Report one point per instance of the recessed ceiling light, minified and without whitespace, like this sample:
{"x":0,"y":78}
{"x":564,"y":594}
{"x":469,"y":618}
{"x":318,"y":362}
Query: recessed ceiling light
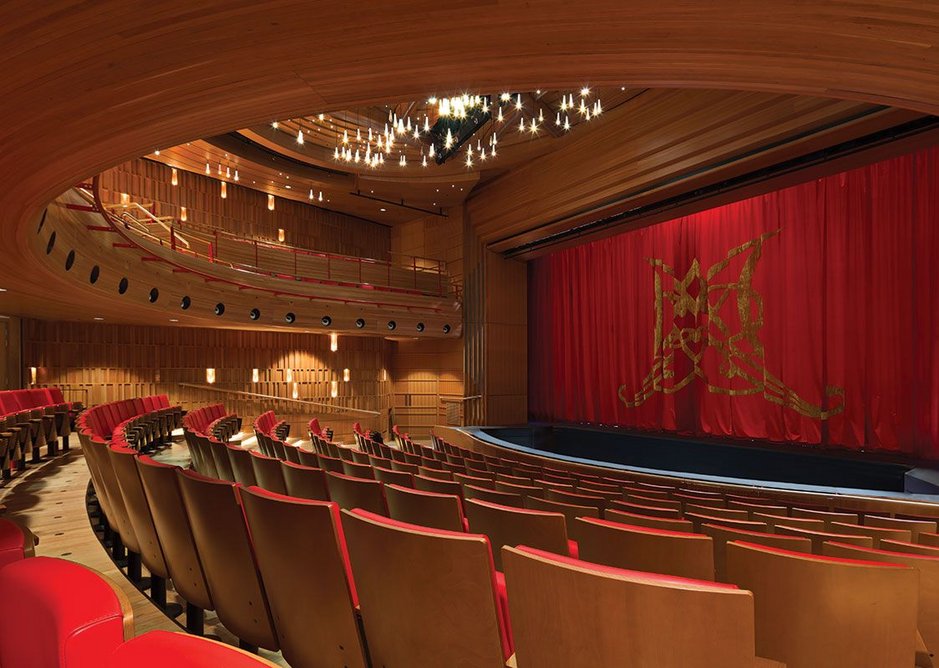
{"x":383,"y":209}
{"x":97,"y":318}
{"x":174,"y":319}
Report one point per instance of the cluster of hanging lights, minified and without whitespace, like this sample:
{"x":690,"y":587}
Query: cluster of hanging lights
{"x":409,"y":135}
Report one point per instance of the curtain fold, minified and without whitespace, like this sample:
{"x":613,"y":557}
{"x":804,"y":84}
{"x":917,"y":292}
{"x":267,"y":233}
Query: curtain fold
{"x":806,"y":315}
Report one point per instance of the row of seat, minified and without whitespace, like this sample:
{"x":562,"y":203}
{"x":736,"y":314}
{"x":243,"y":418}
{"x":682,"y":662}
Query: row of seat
{"x":30,"y":419}
{"x":118,"y":417}
{"x":214,"y":421}
{"x":268,"y":425}
{"x":603,"y":542}
{"x":59,"y":614}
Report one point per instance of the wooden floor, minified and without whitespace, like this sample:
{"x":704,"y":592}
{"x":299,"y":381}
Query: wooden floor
{"x":50,"y":499}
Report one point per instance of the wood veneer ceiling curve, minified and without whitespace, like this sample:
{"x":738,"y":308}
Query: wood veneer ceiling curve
{"x":87,"y":86}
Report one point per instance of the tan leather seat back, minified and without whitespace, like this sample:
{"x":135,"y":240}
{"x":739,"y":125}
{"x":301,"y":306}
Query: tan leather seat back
{"x":172,"y":526}
{"x":241,"y":465}
{"x":813,"y":611}
{"x":392,"y":477}
{"x":825,"y":516}
{"x":123,"y":461}
{"x":101,"y":490}
{"x":363,"y":471}
{"x":121,"y":521}
{"x":438,"y":511}
{"x":267,"y":473}
{"x":314,"y":587}
{"x":304,"y":482}
{"x":514,"y":526}
{"x":492,"y":496}
{"x":604,"y":617}
{"x":308,"y":458}
{"x":438,"y":609}
{"x":646,"y":521}
{"x":220,"y":456}
{"x":916,"y":527}
{"x":687,"y":555}
{"x":812,"y":524}
{"x":698,"y":520}
{"x":425,"y":484}
{"x":203,"y":458}
{"x":818,"y":538}
{"x":351,"y":493}
{"x":721,"y":535}
{"x":222,"y":541}
{"x":569,"y":511}
{"x":649,"y":511}
{"x":876,"y":533}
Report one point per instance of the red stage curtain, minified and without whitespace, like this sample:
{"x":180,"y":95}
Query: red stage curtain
{"x":843,"y":272}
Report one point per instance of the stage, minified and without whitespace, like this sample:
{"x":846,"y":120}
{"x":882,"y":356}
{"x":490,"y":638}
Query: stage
{"x":761,"y":464}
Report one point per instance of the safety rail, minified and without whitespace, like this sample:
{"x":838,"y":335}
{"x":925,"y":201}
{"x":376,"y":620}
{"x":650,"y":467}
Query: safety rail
{"x":91,"y":194}
{"x":270,"y":397}
{"x":404,"y":273}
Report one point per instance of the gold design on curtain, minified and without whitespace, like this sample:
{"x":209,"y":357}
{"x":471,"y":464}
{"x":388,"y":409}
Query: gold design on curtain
{"x":701,"y":324}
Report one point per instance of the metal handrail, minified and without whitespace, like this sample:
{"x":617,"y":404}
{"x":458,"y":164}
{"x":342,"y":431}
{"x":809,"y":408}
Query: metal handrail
{"x":271,"y":397}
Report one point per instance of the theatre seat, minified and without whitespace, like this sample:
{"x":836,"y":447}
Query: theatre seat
{"x":391,"y":477}
{"x":688,"y":555}
{"x":425,"y":484}
{"x":649,"y":511}
{"x":698,"y":520}
{"x":304,"y":482}
{"x":568,"y":613}
{"x":492,"y":496}
{"x":774,"y":521}
{"x":302,"y":558}
{"x":351,"y":493}
{"x":59,"y":614}
{"x":226,"y":553}
{"x":427,"y":509}
{"x":646,"y":521}
{"x":570,"y":511}
{"x":505,"y":525}
{"x":428,"y":597}
{"x":16,"y":542}
{"x":241,"y":464}
{"x":825,"y":516}
{"x":876,"y":533}
{"x":813,"y":611}
{"x":915,"y":527}
{"x":818,"y":538}
{"x":162,"y":649}
{"x":268,"y":473}
{"x":721,"y":535}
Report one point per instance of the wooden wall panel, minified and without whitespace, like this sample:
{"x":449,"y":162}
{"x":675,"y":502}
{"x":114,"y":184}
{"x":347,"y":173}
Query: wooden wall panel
{"x":96,"y":363}
{"x":244,"y":211}
{"x":428,"y":375}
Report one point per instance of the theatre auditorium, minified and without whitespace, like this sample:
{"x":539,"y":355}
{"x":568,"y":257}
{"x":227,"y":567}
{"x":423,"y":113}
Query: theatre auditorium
{"x":407,"y":334}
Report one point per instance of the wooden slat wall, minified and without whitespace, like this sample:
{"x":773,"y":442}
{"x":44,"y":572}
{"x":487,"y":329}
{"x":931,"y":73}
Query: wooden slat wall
{"x":96,"y":363}
{"x":425,"y":371}
{"x":244,"y":212}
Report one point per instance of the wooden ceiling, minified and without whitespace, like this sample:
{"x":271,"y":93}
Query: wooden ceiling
{"x":89,"y":85}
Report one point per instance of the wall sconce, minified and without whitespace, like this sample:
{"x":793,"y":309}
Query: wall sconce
{"x":210,"y":375}
{"x":280,"y":234}
{"x":125,"y":199}
{"x":289,"y":375}
{"x":270,"y":202}
{"x":384,"y":375}
{"x":296,"y":390}
{"x":345,"y":375}
{"x":174,"y":179}
{"x":32,"y":375}
{"x":182,"y":214}
{"x":224,"y":190}
{"x":334,"y":342}
{"x":255,"y":376}
{"x":334,"y":388}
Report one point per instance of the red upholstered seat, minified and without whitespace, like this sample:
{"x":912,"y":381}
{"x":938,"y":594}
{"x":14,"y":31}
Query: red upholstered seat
{"x":57,"y":613}
{"x":161,"y":649}
{"x":15,"y":542}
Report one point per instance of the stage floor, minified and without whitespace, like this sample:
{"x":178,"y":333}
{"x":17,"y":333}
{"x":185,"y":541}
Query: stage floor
{"x":787,"y":467}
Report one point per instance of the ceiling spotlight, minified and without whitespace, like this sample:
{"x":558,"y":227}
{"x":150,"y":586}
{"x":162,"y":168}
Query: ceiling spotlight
{"x":420,"y":327}
{"x":290,"y":318}
{"x":446,"y":329}
{"x":392,"y":325}
{"x":360,"y":323}
{"x":326,"y":320}
{"x":219,"y":308}
{"x":254,"y":314}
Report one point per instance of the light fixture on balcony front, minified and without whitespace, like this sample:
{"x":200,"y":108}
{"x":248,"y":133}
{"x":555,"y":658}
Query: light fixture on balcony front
{"x":345,"y":375}
{"x":210,"y":375}
{"x":182,"y":214}
{"x":289,"y":375}
{"x":255,"y":376}
{"x":334,"y":389}
{"x":280,"y":234}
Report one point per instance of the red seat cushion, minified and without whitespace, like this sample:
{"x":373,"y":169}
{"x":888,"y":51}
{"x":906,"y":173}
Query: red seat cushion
{"x":159,"y":649}
{"x":57,"y":613}
{"x":12,"y":542}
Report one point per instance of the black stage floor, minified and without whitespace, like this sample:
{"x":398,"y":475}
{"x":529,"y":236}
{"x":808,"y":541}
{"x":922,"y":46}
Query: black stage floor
{"x":789,"y":465}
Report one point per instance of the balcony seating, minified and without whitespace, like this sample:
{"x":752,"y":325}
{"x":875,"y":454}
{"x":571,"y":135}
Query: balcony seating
{"x":226,"y":553}
{"x":774,"y":521}
{"x":577,"y":499}
{"x":505,"y":525}
{"x":603,"y":616}
{"x":570,"y":512}
{"x":814,"y":611}
{"x":722,"y":535}
{"x":164,"y":498}
{"x":59,"y":614}
{"x":752,"y":508}
{"x":268,"y":473}
{"x":158,"y":649}
{"x":474,"y":480}
{"x":723,"y":513}
{"x":915,"y":527}
{"x":649,"y":511}
{"x":444,"y":594}
{"x":351,"y":493}
{"x":689,"y":555}
{"x":302,"y":558}
{"x":304,"y":482}
{"x":268,"y":425}
{"x":909,"y":548}
{"x":825,"y":516}
{"x":876,"y":533}
{"x":652,"y":502}
{"x":698,"y":520}
{"x":427,"y":509}
{"x":492,"y":496}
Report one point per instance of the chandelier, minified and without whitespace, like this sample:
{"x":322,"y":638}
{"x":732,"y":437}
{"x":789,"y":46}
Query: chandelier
{"x":467,"y":126}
